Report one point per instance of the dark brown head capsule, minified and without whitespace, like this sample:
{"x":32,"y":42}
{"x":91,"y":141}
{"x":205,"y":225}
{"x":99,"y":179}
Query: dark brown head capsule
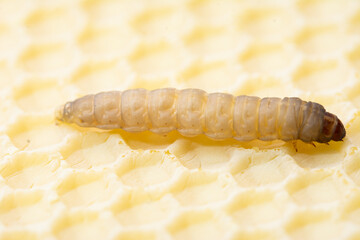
{"x":333,"y":129}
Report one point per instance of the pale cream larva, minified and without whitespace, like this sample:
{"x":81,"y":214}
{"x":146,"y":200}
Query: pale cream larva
{"x":193,"y":112}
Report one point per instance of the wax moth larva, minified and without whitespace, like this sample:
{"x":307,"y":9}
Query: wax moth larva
{"x":193,"y":112}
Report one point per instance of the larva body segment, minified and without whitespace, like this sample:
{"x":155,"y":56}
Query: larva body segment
{"x":134,"y":111}
{"x":245,"y":117}
{"x":290,"y":118}
{"x":268,"y":119}
{"x":193,"y":112}
{"x":190,"y":112}
{"x":219,"y":116}
{"x":107,"y":110}
{"x":162,"y":110}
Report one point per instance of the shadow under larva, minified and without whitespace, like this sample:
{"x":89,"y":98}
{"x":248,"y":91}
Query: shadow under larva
{"x":193,"y":112}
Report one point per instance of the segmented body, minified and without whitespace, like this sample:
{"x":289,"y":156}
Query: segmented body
{"x":193,"y":112}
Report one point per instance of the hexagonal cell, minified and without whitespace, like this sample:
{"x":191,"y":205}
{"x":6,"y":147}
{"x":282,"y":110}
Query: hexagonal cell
{"x":31,"y":96}
{"x":351,"y":209}
{"x":206,"y":76}
{"x":86,"y":188}
{"x":106,"y":43}
{"x":106,"y":12}
{"x":321,"y":76}
{"x":14,"y":11}
{"x":7,"y":75}
{"x":30,"y":169}
{"x":317,"y":11}
{"x":148,"y":140}
{"x":353,"y":95}
{"x":84,"y":226}
{"x":210,"y":11}
{"x":354,"y":56}
{"x":36,"y":132}
{"x":317,"y":187}
{"x":252,"y":168}
{"x":194,"y":155}
{"x":199,"y":225}
{"x":267,"y":59}
{"x":151,"y":83}
{"x":315,"y":225}
{"x":136,"y":235}
{"x":254,"y":208}
{"x":53,"y":24}
{"x":88,"y":77}
{"x":23,"y":208}
{"x":264,"y":87}
{"x":156,"y":59}
{"x":147,"y":168}
{"x":6,"y":146}
{"x":322,"y":40}
{"x":207,"y":41}
{"x":94,"y":150}
{"x":9,"y":35}
{"x":355,"y":22}
{"x":257,"y":235}
{"x":86,"y":140}
{"x":161,"y":22}
{"x":18,"y":235}
{"x":321,"y":156}
{"x":50,"y":60}
{"x":353,"y":130}
{"x":201,"y":188}
{"x":129,"y":209}
{"x":268,"y":23}
{"x":351,"y":165}
{"x":354,"y":236}
{"x":55,"y":4}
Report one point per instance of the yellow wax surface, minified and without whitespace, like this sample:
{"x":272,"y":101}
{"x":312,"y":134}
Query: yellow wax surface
{"x":59,"y":181}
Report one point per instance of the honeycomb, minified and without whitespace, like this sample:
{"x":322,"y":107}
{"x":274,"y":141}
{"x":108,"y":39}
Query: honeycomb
{"x":60,"y":181}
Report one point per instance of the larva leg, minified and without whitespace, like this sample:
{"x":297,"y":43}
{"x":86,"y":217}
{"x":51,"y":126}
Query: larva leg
{"x":294,"y":145}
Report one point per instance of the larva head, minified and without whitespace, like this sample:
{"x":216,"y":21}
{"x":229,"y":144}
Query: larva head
{"x":333,"y":129}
